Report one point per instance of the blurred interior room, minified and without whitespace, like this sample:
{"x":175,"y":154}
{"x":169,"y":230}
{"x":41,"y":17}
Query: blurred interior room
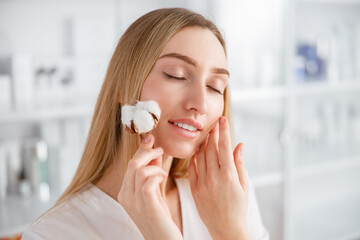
{"x":295,"y":89}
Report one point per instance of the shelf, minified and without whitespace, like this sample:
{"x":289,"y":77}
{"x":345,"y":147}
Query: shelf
{"x":298,"y":90}
{"x":46,"y":114}
{"x":342,"y":2}
{"x":320,"y":188}
{"x":17,"y":213}
{"x":267,"y":180}
{"x":258,"y":94}
{"x":330,"y":152}
{"x":13,"y":231}
{"x":337,"y":165}
{"x":323,"y":168}
{"x":325,"y":199}
{"x":325,"y":215}
{"x":316,"y":88}
{"x":353,"y":235}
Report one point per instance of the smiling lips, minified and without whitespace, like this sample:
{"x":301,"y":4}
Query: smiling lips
{"x":186,"y":127}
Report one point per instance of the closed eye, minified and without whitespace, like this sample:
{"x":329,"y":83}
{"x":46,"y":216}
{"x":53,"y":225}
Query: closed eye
{"x":182,"y":78}
{"x":173,"y":77}
{"x":214,"y":89}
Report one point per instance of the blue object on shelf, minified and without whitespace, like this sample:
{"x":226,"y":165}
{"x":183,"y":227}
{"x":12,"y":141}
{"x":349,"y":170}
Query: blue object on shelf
{"x":310,"y":67}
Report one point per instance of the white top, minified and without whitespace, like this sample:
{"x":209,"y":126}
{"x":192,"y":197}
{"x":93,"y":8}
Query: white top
{"x":92,"y":214}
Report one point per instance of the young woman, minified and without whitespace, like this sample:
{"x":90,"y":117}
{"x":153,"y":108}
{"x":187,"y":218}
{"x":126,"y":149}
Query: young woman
{"x":181,"y":181}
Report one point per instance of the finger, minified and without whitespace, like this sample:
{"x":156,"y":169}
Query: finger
{"x":225,"y":152}
{"x":156,"y":162}
{"x":192,"y":172}
{"x":147,"y":142}
{"x":132,"y":164}
{"x":201,"y":162}
{"x":144,"y":156}
{"x":135,"y":164}
{"x":146,"y":145}
{"x":144,"y":173}
{"x":151,"y":188}
{"x":212,"y":156}
{"x":140,"y":161}
{"x":240,"y":167}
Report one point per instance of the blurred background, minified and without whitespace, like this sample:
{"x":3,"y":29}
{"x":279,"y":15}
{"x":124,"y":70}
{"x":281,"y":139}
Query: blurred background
{"x":295,"y":86}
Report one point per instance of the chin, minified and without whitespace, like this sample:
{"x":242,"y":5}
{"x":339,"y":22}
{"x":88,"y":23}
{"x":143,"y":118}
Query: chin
{"x":174,"y":147}
{"x":179,"y":151}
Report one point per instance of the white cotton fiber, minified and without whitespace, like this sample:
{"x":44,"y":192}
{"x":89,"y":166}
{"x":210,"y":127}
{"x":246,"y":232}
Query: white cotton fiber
{"x":143,"y":120}
{"x":127,"y":114}
{"x":140,"y":105}
{"x":141,"y":116}
{"x":153,"y":107}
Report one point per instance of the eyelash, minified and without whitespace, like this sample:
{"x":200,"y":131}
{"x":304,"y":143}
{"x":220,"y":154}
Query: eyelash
{"x":182,"y":78}
{"x":170,"y":76}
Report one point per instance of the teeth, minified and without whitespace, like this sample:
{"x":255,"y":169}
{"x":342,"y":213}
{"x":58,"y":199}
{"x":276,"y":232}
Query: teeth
{"x":185,"y":126}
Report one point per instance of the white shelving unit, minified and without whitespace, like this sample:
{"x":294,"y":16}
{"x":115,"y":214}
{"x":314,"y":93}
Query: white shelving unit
{"x":306,"y":89}
{"x":18,"y":212}
{"x":315,"y":187}
{"x":46,"y":114}
{"x":56,"y":55}
{"x":319,"y":192}
{"x":340,"y":2}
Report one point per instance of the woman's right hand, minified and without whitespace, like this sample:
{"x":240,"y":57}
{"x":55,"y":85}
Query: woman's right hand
{"x":140,"y":193}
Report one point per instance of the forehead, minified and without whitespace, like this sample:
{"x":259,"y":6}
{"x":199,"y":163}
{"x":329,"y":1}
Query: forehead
{"x":198,"y":43}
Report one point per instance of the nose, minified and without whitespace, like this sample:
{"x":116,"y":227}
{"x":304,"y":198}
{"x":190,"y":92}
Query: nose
{"x":196,"y":99}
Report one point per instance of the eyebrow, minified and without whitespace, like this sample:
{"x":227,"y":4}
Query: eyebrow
{"x":192,"y":62}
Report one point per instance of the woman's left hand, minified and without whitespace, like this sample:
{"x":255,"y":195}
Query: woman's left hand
{"x":219,"y":185}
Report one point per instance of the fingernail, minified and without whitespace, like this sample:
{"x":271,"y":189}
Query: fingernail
{"x":147,"y":139}
{"x":222,"y":120}
{"x":159,"y":149}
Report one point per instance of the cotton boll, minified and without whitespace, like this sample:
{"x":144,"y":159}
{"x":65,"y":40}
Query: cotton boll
{"x":140,"y":105}
{"x":153,"y":107}
{"x":144,"y":115}
{"x":143,"y":120}
{"x":127,"y":114}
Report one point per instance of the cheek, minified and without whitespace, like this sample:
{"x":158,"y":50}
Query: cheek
{"x":166,"y":101}
{"x":148,"y":90}
{"x":215,"y":111}
{"x":154,"y":90}
{"x":212,"y":118}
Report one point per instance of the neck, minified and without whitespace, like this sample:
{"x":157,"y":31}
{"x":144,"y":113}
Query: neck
{"x":111,"y":181}
{"x":168,"y":182}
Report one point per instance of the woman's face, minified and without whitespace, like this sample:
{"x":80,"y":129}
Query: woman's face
{"x":188,"y":82}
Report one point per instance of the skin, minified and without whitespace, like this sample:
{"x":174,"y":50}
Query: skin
{"x":216,"y":173}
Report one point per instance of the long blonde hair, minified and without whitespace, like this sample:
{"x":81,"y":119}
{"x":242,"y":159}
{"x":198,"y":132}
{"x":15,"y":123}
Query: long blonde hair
{"x":133,"y":59}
